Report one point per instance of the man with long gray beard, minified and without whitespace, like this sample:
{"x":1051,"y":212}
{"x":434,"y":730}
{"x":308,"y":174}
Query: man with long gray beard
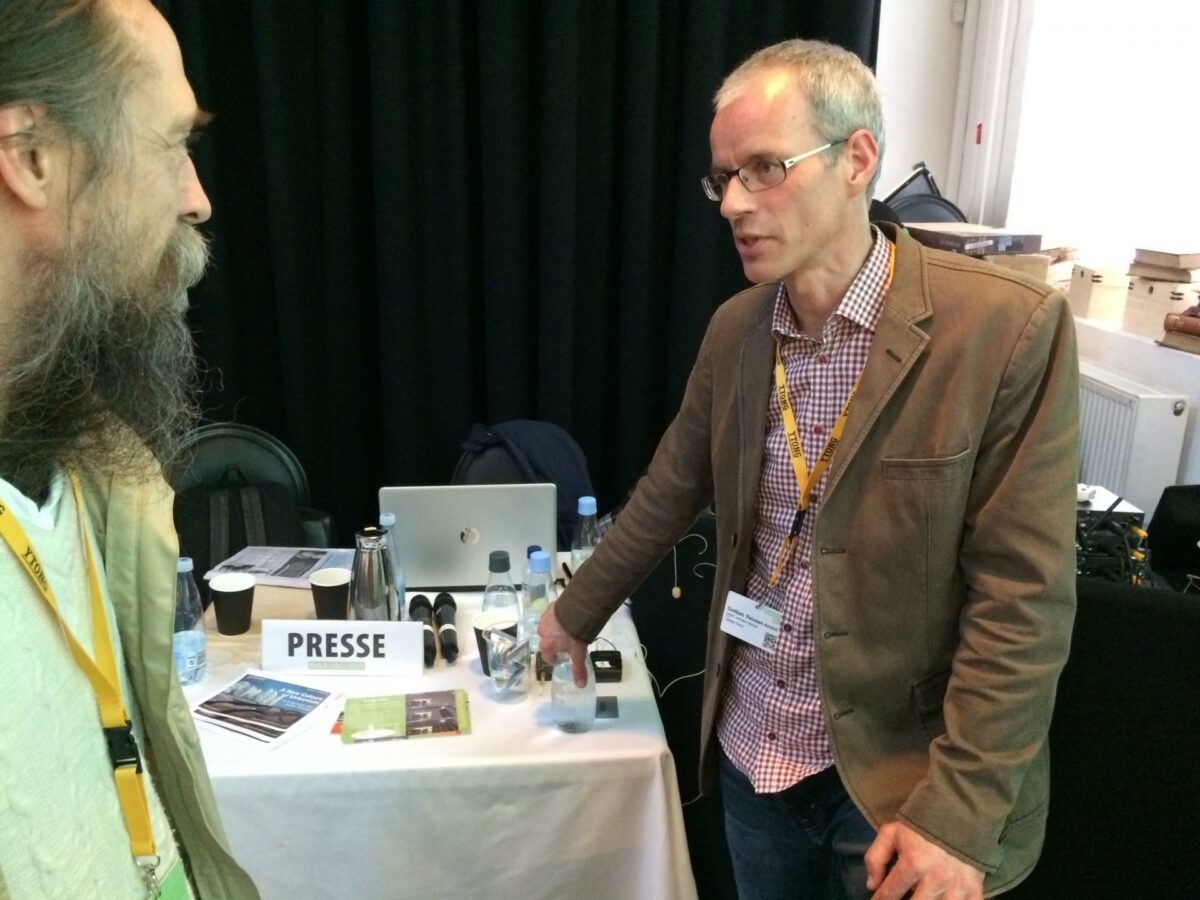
{"x":102,"y":784}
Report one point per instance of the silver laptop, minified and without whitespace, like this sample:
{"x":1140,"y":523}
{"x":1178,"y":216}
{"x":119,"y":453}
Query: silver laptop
{"x":446,"y":532}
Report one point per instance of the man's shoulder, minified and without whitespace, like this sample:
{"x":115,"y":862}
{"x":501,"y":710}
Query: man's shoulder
{"x":955,"y":277}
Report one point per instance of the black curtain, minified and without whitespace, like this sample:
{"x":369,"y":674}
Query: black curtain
{"x":428,"y":214}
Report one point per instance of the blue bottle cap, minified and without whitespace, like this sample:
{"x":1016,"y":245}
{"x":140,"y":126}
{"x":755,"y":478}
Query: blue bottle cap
{"x":387,"y":520}
{"x":587,"y":506}
{"x":539,"y":561}
{"x":184,"y":564}
{"x":532,"y":549}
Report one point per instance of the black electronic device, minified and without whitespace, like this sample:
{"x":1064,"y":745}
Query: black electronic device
{"x":607,"y":664}
{"x":1109,"y":537}
{"x":421,"y":610}
{"x":444,"y":610}
{"x":607,"y":707}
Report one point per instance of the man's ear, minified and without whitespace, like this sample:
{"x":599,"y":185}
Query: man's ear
{"x":863,"y":154}
{"x":26,"y":166}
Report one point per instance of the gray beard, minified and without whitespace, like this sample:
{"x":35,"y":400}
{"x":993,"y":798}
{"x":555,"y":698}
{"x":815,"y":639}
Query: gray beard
{"x":101,"y":372}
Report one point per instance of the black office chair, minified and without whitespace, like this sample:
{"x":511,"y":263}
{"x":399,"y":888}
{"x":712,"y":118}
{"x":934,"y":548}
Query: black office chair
{"x":229,"y":455}
{"x":528,"y":451}
{"x":918,"y":199}
{"x":1174,"y":537}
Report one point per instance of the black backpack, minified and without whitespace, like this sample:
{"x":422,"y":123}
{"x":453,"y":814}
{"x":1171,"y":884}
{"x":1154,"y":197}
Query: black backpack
{"x":527,"y":451}
{"x":215,"y":522}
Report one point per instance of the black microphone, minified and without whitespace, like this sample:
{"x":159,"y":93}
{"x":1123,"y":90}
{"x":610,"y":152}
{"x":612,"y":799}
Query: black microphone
{"x":444,"y":609}
{"x":419,"y":610}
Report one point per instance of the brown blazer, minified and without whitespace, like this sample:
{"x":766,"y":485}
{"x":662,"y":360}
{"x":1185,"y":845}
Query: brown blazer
{"x":943,"y":550}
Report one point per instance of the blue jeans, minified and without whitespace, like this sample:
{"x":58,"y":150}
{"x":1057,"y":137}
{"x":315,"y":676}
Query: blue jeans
{"x":804,"y":842}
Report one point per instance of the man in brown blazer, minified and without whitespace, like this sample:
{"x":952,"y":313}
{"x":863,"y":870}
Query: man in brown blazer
{"x":888,"y":434}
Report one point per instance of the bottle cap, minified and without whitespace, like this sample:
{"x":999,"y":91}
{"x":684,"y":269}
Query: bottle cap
{"x":184,"y":564}
{"x":387,"y":520}
{"x":539,"y":561}
{"x":498,"y":561}
{"x":532,"y":549}
{"x":587,"y":506}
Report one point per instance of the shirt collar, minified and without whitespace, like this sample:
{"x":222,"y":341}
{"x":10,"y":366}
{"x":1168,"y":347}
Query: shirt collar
{"x":862,"y":304}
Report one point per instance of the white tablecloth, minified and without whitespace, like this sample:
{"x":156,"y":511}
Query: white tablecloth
{"x":514,"y":809}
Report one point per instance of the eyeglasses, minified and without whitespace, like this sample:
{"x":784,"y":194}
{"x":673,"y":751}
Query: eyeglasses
{"x":758,"y":174}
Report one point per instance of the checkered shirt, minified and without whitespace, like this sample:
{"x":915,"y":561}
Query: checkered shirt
{"x":771,"y":723}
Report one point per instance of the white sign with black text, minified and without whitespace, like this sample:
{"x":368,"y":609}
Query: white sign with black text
{"x":329,"y":647}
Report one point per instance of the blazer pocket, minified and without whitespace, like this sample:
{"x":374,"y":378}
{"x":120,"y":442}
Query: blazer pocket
{"x":936,"y":468}
{"x":928,"y":696}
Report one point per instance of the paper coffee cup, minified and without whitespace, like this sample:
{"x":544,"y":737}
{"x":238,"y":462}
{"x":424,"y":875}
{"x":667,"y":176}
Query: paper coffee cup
{"x":233,"y":596}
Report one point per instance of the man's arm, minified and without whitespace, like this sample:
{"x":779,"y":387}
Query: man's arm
{"x":1017,"y":557}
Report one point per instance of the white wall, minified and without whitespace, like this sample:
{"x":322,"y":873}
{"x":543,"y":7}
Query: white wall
{"x":917,"y":71}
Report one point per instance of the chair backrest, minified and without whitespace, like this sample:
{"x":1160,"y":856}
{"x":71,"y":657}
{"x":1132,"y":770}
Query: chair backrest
{"x":259,"y":457}
{"x":240,"y":486}
{"x":528,"y":451}
{"x":1174,"y":534}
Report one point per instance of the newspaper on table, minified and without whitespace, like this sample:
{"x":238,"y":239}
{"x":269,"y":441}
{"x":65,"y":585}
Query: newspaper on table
{"x":262,"y":708}
{"x":283,"y":566}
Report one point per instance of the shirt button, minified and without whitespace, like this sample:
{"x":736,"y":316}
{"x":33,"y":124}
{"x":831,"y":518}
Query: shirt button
{"x":787,"y":627}
{"x":822,"y":359}
{"x":817,"y":429}
{"x":780,"y":684}
{"x":771,"y":736}
{"x":804,"y":563}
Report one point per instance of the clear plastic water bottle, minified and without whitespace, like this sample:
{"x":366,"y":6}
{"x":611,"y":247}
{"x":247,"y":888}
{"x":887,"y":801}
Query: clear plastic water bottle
{"x":586,"y":533}
{"x":539,"y":590}
{"x":190,"y":644}
{"x":529,"y":551}
{"x":387,"y":522}
{"x":500,"y":592}
{"x":574,"y":707}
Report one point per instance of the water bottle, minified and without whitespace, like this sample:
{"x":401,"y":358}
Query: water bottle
{"x":529,"y":551}
{"x":500,"y":592}
{"x":371,"y":577}
{"x":387,"y":521}
{"x":574,"y":707}
{"x":586,"y":535}
{"x":189,"y":646}
{"x":539,"y":590}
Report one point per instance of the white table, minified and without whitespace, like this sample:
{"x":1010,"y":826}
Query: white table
{"x":514,"y":809}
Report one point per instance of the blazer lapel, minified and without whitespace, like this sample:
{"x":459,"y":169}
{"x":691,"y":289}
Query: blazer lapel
{"x":754,"y":378}
{"x":896,"y":346}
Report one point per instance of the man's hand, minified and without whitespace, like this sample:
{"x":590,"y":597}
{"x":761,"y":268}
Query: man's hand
{"x":555,"y":640}
{"x":921,"y":866}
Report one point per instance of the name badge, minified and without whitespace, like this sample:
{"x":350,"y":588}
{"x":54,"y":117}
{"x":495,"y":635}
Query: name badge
{"x":329,"y":647}
{"x":745,"y":620}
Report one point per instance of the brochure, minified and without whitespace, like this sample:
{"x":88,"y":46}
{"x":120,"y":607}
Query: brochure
{"x":262,"y":708}
{"x":427,"y":714}
{"x":283,"y":566}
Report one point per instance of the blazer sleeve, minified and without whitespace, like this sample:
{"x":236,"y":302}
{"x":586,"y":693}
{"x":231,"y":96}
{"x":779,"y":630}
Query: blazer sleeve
{"x":676,"y":488}
{"x":1018,"y":561}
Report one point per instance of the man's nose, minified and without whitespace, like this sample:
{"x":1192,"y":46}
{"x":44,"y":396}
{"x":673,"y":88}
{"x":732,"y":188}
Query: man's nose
{"x":194,"y":207}
{"x":737,"y":201}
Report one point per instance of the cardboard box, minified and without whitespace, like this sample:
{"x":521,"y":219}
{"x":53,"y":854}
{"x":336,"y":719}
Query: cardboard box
{"x":1148,"y":301}
{"x":1098,"y":293}
{"x":973,"y":240}
{"x":1033,"y":265}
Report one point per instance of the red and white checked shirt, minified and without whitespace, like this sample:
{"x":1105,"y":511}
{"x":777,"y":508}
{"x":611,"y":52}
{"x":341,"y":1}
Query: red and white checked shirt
{"x":771,"y":723}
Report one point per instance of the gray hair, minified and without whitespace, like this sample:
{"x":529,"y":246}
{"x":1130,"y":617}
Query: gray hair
{"x":840,"y":90}
{"x":75,"y":59}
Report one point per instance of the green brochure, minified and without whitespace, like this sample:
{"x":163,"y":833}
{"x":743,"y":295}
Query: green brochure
{"x":428,"y":714}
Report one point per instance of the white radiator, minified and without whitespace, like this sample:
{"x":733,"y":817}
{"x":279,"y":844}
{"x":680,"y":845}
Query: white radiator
{"x":1130,"y":436}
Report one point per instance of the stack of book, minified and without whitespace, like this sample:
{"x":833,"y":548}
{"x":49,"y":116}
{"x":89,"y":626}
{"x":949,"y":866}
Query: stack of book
{"x":1182,"y":330}
{"x":1162,"y":283}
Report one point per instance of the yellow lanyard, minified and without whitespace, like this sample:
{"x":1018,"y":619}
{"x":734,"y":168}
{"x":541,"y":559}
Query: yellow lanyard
{"x":102,"y":674}
{"x":806,"y":480}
